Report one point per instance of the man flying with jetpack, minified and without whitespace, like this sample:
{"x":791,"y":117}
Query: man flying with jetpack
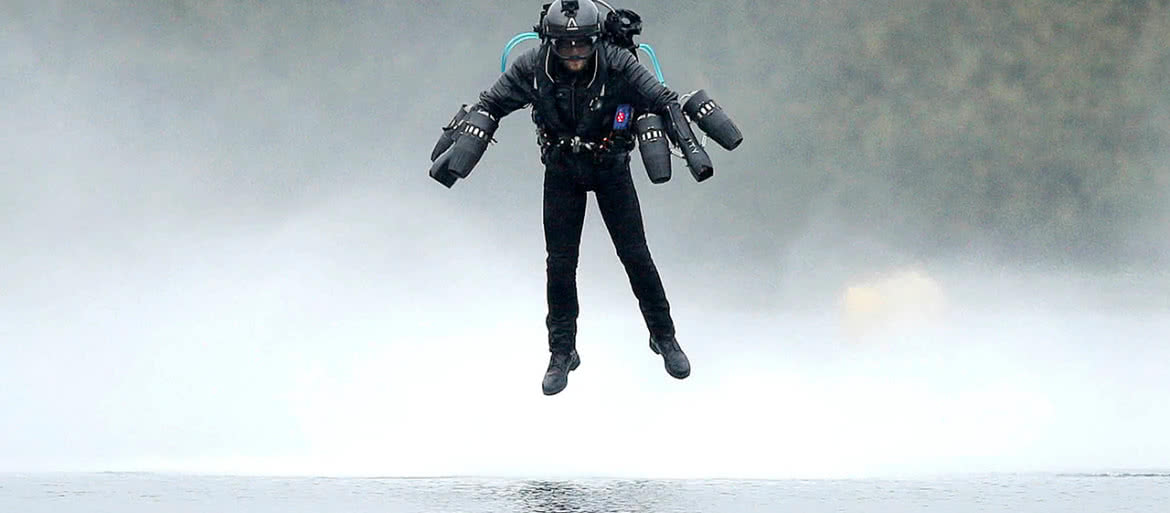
{"x":592,"y":103}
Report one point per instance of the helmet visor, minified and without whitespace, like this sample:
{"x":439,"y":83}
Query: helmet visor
{"x":576,"y":48}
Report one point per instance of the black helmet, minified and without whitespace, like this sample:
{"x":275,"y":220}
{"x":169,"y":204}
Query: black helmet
{"x":572,"y":28}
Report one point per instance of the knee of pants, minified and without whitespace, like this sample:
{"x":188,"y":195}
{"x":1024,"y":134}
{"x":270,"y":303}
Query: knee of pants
{"x":564,"y":260}
{"x":634,"y":254}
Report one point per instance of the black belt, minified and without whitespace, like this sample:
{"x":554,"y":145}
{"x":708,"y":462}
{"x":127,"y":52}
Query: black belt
{"x":576,"y":144}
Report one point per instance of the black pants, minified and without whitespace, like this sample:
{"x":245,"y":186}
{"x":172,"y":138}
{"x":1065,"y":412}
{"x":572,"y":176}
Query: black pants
{"x":566,"y":182}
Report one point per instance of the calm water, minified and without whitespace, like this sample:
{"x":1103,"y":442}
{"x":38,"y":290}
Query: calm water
{"x":129,"y":493}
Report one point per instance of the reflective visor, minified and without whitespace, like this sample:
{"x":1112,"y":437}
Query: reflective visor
{"x":575,"y":48}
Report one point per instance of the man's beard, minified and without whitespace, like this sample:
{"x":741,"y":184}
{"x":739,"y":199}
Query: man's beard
{"x":575,"y":66}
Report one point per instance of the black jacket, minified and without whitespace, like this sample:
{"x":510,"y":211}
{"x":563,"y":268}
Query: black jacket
{"x":563,"y":108}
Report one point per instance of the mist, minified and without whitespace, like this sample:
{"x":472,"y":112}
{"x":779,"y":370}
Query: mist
{"x":942,"y":247}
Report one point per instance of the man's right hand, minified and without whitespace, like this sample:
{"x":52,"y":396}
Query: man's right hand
{"x":469,"y":140}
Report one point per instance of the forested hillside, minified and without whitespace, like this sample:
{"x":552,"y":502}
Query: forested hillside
{"x":1036,"y":126}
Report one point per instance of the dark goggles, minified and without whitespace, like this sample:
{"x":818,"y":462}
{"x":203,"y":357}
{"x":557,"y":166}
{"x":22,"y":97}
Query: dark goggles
{"x":576,"y":48}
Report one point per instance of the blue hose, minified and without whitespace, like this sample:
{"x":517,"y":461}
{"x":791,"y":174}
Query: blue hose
{"x":512,"y":44}
{"x":654,"y":59}
{"x":525,"y":36}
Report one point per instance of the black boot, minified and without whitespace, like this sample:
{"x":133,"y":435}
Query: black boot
{"x":673,"y":357}
{"x":557,"y":375}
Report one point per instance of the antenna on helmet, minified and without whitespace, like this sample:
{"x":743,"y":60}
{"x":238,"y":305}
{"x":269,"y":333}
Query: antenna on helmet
{"x":605,"y":4}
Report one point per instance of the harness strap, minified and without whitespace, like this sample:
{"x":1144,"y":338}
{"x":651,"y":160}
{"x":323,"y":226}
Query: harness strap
{"x":576,"y":144}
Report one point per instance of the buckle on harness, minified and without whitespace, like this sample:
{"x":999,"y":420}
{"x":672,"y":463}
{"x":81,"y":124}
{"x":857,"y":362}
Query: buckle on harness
{"x":573,"y":144}
{"x":577,"y":145}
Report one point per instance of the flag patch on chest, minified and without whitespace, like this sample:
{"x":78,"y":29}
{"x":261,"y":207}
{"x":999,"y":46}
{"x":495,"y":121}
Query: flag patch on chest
{"x":621,"y":119}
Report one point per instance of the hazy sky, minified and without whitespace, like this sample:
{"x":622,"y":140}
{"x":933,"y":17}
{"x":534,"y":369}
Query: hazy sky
{"x":220,"y":252}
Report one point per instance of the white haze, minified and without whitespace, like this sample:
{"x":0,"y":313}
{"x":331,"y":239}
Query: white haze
{"x":251,"y":279}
